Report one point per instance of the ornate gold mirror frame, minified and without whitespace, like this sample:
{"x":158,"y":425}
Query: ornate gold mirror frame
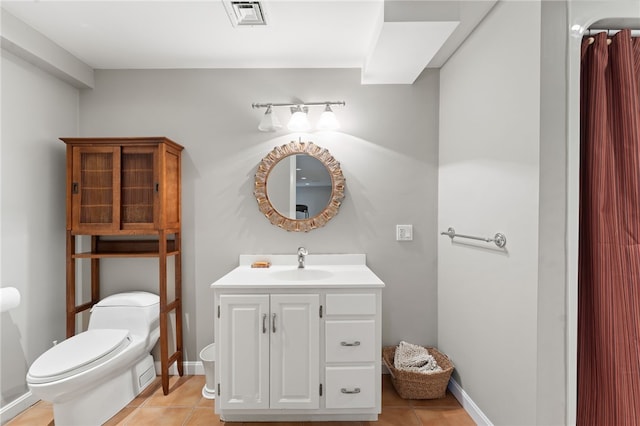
{"x":284,"y":151}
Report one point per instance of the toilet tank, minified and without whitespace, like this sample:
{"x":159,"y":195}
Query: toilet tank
{"x":136,"y":311}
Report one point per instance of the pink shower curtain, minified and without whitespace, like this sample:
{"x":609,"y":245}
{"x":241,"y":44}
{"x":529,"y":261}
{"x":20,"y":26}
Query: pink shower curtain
{"x":609,"y":259}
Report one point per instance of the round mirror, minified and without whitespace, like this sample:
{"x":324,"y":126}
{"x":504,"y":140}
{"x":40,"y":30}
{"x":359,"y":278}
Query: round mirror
{"x":299,"y":186}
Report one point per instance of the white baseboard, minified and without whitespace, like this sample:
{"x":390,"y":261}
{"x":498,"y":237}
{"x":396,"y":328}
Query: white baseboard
{"x":467,"y":403}
{"x":17,"y":406}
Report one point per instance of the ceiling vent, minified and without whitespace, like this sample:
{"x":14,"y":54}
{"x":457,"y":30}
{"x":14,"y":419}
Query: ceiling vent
{"x":245,"y":13}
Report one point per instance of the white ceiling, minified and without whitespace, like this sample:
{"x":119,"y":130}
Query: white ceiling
{"x":199,"y":34}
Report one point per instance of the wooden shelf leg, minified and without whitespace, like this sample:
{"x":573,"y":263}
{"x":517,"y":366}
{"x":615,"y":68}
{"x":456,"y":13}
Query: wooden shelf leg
{"x":71,"y":284}
{"x":178,"y":287}
{"x":95,"y":273}
{"x":164,"y":344}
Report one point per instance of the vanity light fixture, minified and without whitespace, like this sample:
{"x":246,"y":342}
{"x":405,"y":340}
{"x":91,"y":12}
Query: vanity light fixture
{"x":269,"y":122}
{"x":299,"y":121}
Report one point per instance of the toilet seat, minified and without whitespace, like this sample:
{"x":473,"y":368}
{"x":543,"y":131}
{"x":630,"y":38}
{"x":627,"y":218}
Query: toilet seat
{"x":78,"y":353}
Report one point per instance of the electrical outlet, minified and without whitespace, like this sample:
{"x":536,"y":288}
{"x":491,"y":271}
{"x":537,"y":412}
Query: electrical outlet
{"x":404,"y":232}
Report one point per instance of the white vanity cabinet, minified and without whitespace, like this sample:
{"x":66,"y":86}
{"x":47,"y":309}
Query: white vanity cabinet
{"x":270,"y":352}
{"x":298,"y":345}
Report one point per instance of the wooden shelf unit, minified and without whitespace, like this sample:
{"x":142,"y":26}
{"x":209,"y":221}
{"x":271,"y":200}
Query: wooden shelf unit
{"x":119,"y":188}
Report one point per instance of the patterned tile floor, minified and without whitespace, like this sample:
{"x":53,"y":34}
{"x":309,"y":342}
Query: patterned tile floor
{"x":185,"y":406}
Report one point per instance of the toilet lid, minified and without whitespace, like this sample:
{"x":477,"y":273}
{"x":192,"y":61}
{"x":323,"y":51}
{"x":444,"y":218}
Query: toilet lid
{"x":78,"y":353}
{"x":131,"y":298}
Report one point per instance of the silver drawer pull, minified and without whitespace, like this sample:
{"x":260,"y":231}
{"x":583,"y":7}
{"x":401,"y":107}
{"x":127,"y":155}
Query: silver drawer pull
{"x":264,"y":323}
{"x":356,"y":343}
{"x":345,"y":390}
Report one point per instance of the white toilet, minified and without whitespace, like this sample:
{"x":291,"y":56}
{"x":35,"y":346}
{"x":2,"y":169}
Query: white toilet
{"x":93,"y":375}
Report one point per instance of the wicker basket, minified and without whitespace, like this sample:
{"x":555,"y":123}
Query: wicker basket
{"x":411,"y":385}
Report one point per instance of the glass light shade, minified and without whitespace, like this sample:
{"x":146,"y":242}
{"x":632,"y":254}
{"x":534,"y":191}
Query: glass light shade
{"x":328,"y":120}
{"x":299,"y":121}
{"x":269,"y":122}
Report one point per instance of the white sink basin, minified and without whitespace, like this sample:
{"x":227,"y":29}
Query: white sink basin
{"x":298,"y":274}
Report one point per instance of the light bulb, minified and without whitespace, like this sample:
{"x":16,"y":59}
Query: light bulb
{"x":269,"y":122}
{"x":328,"y":120}
{"x":299,"y":121}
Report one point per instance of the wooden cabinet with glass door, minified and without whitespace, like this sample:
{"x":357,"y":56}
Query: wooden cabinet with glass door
{"x":125,"y":193}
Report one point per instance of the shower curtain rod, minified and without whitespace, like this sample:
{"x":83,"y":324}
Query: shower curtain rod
{"x":593,"y":31}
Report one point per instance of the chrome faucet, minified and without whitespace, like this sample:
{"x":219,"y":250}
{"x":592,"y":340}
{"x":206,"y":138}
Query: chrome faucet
{"x":302,"y":252}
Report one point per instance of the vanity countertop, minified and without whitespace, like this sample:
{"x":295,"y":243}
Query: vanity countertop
{"x":324,"y":271}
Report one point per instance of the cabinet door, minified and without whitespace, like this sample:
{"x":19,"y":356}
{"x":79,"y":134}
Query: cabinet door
{"x":244,"y":329}
{"x":171,"y":215}
{"x":95,"y":190}
{"x":295,"y":339}
{"x":139,"y":188}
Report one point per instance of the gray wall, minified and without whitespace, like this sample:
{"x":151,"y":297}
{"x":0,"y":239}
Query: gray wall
{"x":388,"y":153}
{"x":488,"y":183}
{"x":552,"y":368}
{"x":36,"y":109}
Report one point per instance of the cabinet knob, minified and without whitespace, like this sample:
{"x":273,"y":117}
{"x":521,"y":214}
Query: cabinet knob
{"x":356,"y":343}
{"x":74,"y":187}
{"x":345,"y":390}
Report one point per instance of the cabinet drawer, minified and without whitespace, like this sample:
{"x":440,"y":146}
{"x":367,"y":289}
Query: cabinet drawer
{"x":351,"y":304}
{"x":349,"y":341}
{"x":350,"y":387}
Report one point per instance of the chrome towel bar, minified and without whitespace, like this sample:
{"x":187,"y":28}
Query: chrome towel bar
{"x":499,"y":239}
